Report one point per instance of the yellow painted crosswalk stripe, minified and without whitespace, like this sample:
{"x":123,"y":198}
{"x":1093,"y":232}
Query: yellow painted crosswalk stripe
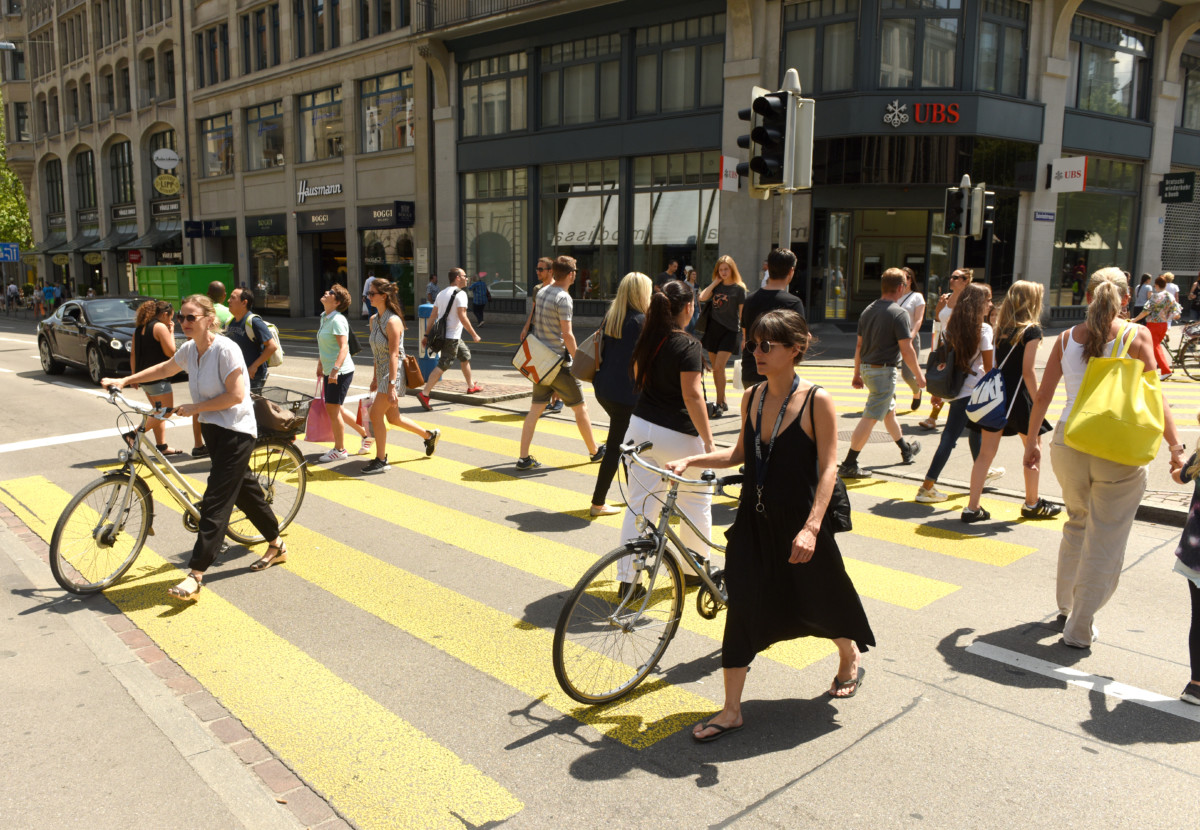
{"x":290,"y":700}
{"x":546,"y":426}
{"x":1001,"y":510}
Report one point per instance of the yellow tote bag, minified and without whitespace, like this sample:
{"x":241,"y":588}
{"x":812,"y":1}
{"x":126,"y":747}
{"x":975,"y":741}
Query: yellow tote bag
{"x":1118,"y":413}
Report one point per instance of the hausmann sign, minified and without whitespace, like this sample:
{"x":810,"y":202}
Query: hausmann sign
{"x":316,"y":190}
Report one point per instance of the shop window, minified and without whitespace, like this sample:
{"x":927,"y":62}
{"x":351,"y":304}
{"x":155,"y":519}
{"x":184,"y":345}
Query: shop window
{"x":168,"y":71}
{"x":54,"y":186}
{"x":580,"y":211}
{"x":495,"y":223}
{"x":833,"y":24}
{"x":21,"y":129}
{"x":1189,"y":108}
{"x":377,"y":17}
{"x":163,"y":140}
{"x":676,"y":211}
{"x":1111,"y":68}
{"x":581,"y":81}
{"x":269,"y":269}
{"x":494,"y":95}
{"x":85,"y":179}
{"x":260,"y":38}
{"x":216,"y":142}
{"x":264,"y":136}
{"x":321,"y":127}
{"x":386,"y":103}
{"x":120,"y":167}
{"x":918,"y":44}
{"x":388,"y":253}
{"x":679,"y":66}
{"x":1002,"y":47}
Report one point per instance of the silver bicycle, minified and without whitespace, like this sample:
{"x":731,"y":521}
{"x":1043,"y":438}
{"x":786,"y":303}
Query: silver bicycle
{"x":612,"y":632}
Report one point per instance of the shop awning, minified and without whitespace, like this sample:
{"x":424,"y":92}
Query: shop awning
{"x":76,"y":244}
{"x":156,"y":238}
{"x":112,"y":242}
{"x":52,"y":241}
{"x":581,"y":222}
{"x":680,"y":218}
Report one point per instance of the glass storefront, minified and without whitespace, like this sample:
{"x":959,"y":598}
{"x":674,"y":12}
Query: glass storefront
{"x":676,"y":213}
{"x":388,"y":253}
{"x":269,"y":274}
{"x":495,"y":230}
{"x":580,"y":218}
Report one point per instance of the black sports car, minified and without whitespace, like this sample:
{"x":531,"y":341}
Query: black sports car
{"x":95,"y":335}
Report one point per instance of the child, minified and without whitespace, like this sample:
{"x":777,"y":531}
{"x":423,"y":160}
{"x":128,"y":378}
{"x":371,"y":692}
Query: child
{"x":1187,"y":562}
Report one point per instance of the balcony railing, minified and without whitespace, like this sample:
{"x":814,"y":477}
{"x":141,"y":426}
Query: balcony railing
{"x":439,"y":14}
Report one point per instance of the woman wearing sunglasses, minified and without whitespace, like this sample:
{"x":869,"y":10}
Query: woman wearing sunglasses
{"x":783,"y":569}
{"x":220,"y":400}
{"x":959,"y":280}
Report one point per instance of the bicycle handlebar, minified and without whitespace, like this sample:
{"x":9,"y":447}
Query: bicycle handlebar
{"x":707,"y":478}
{"x":115,"y":397}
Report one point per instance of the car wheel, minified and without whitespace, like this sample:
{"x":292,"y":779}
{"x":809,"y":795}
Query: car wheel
{"x":49,"y":365}
{"x":95,"y":365}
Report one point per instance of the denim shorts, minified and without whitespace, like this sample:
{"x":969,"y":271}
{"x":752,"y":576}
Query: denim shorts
{"x":881,"y":391}
{"x":156,"y":388}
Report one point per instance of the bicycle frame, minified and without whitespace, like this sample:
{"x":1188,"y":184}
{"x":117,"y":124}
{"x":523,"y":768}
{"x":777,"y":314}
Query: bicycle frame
{"x":147,"y":454}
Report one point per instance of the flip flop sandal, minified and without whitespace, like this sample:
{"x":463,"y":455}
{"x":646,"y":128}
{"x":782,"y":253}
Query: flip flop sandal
{"x":721,"y":732}
{"x":268,"y":559}
{"x":168,"y":451}
{"x":187,"y":590}
{"x":840,"y":684}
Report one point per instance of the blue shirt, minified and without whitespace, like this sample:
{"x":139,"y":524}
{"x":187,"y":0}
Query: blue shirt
{"x":251,"y":349}
{"x":614,"y":378}
{"x":479,"y":293}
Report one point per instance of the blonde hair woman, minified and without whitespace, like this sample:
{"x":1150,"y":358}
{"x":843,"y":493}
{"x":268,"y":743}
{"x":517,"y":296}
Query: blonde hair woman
{"x":613,"y":383}
{"x":1018,"y":335}
{"x":728,"y":294}
{"x":1102,"y":496}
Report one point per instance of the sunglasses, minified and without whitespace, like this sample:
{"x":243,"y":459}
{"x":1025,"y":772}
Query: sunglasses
{"x":189,"y":318}
{"x":763,"y":346}
{"x":542,"y":269}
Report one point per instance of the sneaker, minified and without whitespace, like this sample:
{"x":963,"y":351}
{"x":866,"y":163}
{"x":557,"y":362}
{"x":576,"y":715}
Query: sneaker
{"x":599,"y":453}
{"x":714,"y":410}
{"x":556,"y":406}
{"x":431,"y":441}
{"x":931,"y":495}
{"x":911,"y":450}
{"x":1191,"y":694}
{"x":528,"y":463}
{"x":424,"y":399}
{"x":200,"y":452}
{"x":333,"y":455}
{"x":472,"y":390}
{"x":993,"y":473}
{"x":724,"y":406}
{"x":1041,"y":510}
{"x":368,"y":444}
{"x":972,"y":516}
{"x":848,"y":470}
{"x":376,"y":465}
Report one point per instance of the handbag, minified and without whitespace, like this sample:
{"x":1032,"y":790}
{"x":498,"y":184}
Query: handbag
{"x":990,"y":405}
{"x":942,"y":375}
{"x":534,"y":359}
{"x":319,"y":430}
{"x":702,"y":321}
{"x":435,"y":338}
{"x":1118,"y":411}
{"x":837,"y":513}
{"x":362,"y":416}
{"x":353,"y":347}
{"x":413,"y":378}
{"x":588,"y":357}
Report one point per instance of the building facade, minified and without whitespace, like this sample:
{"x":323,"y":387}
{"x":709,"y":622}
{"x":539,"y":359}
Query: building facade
{"x":325,"y":141}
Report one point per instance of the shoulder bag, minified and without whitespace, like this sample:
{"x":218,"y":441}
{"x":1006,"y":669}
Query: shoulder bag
{"x":990,"y":403}
{"x":942,"y":375}
{"x":276,"y":358}
{"x":435,"y":338}
{"x":536,"y":360}
{"x":1118,"y":411}
{"x":588,"y":356}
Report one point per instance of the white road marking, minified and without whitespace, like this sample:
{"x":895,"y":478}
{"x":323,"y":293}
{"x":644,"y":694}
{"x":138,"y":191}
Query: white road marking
{"x":312,"y":380}
{"x":1091,"y":682}
{"x":56,"y":440}
{"x":10,"y":371}
{"x":14,"y":340}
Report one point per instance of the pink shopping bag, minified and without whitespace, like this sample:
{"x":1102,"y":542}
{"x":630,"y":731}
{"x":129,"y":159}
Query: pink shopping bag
{"x":319,"y":429}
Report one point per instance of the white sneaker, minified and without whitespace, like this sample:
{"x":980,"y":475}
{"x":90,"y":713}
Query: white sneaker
{"x":930,"y":496}
{"x":333,"y":455}
{"x":368,"y":446}
{"x":993,"y":473}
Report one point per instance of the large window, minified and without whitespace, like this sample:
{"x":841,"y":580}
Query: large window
{"x":260,"y":38}
{"x":120,"y":168}
{"x":168,"y":72}
{"x":317,"y":26}
{"x":494,"y":95}
{"x":1111,"y":66}
{"x":495,"y":223}
{"x":377,"y":17}
{"x":676,"y":211}
{"x":85,"y":179}
{"x":679,"y":66}
{"x":1189,"y":109}
{"x":581,"y":81}
{"x":216,"y":142}
{"x":54,"y":186}
{"x":819,"y":43}
{"x":164,"y":140}
{"x":264,"y":136}
{"x":1002,"y":36}
{"x":387,"y":111}
{"x":918,"y":44}
{"x":212,"y":55}
{"x":321,"y":127}
{"x":581,"y":208}
{"x":20,"y":130}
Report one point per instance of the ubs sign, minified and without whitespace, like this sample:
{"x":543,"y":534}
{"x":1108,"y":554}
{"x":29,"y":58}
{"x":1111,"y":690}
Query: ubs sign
{"x":923,"y":112}
{"x":316,"y":190}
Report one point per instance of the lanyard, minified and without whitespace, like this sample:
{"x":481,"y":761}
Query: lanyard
{"x":760,"y":468}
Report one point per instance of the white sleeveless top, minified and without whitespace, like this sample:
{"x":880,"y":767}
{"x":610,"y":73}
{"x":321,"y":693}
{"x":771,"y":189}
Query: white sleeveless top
{"x":1074,"y":364}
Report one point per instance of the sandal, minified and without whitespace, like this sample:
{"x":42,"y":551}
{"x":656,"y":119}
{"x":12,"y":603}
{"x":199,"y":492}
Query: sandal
{"x":187,"y":590}
{"x":268,"y":559}
{"x":838,"y":685}
{"x":168,"y":451}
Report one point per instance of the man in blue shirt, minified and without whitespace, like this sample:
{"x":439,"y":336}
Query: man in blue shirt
{"x":257,"y":347}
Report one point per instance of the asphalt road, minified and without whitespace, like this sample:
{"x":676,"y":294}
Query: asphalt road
{"x":398,"y":665}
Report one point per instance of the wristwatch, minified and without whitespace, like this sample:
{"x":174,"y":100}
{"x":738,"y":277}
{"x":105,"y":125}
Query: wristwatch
{"x":1177,"y":447}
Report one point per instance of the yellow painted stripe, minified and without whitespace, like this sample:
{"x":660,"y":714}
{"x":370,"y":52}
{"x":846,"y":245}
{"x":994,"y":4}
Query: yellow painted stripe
{"x":293,"y":703}
{"x":546,"y":426}
{"x":1001,"y":510}
{"x":561,"y":459}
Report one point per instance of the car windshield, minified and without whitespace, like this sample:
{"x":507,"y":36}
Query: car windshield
{"x":112,"y":312}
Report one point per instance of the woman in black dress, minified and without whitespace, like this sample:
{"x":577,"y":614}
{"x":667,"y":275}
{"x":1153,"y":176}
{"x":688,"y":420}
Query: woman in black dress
{"x":1017,"y":334}
{"x":783,"y":569}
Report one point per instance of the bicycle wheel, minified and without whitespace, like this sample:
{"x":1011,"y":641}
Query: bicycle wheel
{"x":96,"y":538}
{"x":282,"y":474}
{"x":1189,"y":358}
{"x":607,"y":640}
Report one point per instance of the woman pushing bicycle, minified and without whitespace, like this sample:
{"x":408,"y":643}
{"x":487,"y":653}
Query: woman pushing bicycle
{"x":217,"y":381}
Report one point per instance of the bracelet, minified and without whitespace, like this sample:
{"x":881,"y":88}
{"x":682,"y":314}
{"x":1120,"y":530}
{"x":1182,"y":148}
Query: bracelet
{"x":1177,"y":447}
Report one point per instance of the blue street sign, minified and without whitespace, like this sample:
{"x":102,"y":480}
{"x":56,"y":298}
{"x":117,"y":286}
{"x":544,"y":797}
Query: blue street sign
{"x":10,"y":252}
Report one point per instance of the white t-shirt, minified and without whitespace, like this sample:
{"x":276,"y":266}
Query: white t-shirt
{"x":454,"y":326}
{"x":206,"y":380}
{"x":1173,"y":290}
{"x":976,"y":373}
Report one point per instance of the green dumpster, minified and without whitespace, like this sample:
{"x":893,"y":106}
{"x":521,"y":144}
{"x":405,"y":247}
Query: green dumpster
{"x":174,"y":282}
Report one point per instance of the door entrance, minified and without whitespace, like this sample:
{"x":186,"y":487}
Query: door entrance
{"x":328,"y":257}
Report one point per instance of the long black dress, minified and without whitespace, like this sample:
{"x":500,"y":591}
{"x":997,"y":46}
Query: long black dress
{"x":771,"y":599}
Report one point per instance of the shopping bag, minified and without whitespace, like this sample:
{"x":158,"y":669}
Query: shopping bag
{"x":363,"y":416}
{"x":319,"y":429}
{"x":588,"y":357}
{"x":537,"y":361}
{"x":1118,"y":411}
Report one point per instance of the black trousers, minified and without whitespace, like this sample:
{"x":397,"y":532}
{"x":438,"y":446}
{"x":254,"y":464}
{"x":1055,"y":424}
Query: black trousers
{"x":1194,"y":634}
{"x":618,"y":424}
{"x":230,"y":482}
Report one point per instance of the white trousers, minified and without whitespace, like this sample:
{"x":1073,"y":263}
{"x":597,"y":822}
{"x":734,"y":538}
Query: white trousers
{"x":647,"y":492}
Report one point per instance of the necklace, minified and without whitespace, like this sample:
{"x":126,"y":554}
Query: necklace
{"x":760,"y":467}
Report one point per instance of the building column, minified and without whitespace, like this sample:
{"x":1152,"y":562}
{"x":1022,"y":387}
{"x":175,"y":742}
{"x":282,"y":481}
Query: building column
{"x":437,"y":202}
{"x":1154,"y":212}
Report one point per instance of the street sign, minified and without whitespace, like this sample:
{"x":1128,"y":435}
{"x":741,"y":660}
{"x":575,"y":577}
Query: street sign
{"x":10,"y":252}
{"x":1177,"y":188}
{"x":134,"y":257}
{"x":165,"y":158}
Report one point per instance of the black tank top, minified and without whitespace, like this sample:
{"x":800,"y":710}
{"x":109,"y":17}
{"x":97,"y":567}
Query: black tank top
{"x":149,"y":351}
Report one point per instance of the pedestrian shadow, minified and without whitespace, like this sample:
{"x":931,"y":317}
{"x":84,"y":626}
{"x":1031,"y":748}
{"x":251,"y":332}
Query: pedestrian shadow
{"x":545,"y":521}
{"x":1029,"y":639}
{"x":1128,"y":723}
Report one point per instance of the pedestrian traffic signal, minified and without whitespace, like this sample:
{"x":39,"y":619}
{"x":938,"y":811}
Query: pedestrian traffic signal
{"x":983,"y":211}
{"x":955,"y":216}
{"x":748,"y":142}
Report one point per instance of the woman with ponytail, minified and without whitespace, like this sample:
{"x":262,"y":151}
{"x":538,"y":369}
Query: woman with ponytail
{"x":670,"y":412}
{"x":1101,"y":496}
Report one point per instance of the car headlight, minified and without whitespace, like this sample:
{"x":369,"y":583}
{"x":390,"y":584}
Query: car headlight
{"x":116,"y":345}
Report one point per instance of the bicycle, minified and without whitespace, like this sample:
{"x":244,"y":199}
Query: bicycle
{"x":103,"y":527}
{"x":1187,"y":355}
{"x":610,"y":634}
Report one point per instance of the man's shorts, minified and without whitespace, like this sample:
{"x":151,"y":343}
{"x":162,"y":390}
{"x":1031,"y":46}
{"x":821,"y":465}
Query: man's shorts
{"x":453,"y":350}
{"x":564,"y":385}
{"x":881,"y":391}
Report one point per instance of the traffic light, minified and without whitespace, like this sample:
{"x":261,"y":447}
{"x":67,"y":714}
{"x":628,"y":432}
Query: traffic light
{"x":983,"y":211}
{"x":955,"y":216}
{"x":748,"y":142}
{"x":770,"y":135}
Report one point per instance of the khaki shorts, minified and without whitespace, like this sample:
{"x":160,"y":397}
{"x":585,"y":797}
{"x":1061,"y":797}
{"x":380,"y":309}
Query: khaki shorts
{"x":564,"y":385}
{"x":453,"y":350}
{"x":881,"y":391}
